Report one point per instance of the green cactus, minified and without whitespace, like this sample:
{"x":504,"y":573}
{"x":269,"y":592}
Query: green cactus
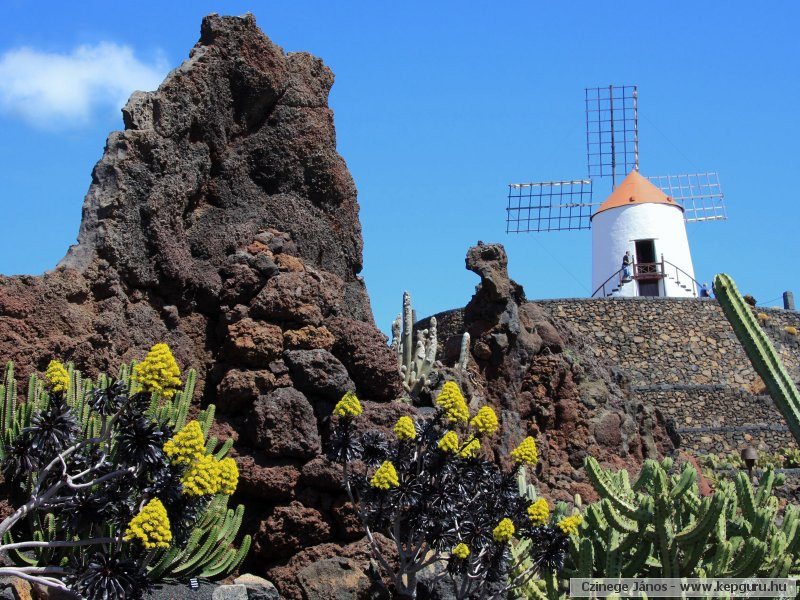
{"x":548,"y":588}
{"x":210,"y":550}
{"x":760,"y":351}
{"x":660,"y":527}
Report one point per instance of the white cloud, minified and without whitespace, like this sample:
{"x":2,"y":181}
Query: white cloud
{"x":66,"y":90}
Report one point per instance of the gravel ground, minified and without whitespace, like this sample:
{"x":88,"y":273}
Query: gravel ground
{"x":181,"y":591}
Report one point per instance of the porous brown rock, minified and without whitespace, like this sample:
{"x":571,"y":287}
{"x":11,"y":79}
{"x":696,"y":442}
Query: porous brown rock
{"x":339,"y":578}
{"x":223,"y":222}
{"x":309,"y":338}
{"x":318,"y":372}
{"x":289,"y":529}
{"x":252,"y":343}
{"x":543,"y":381}
{"x":282,"y":423}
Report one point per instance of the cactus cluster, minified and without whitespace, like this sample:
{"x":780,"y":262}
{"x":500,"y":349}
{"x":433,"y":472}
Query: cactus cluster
{"x":659,"y":526}
{"x":416,"y":359}
{"x":210,"y":551}
{"x":760,"y":351}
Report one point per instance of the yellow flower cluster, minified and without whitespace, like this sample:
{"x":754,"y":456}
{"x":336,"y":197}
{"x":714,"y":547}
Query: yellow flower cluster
{"x":158,"y":372}
{"x":470,"y":449}
{"x":206,"y":474}
{"x":228,"y":476}
{"x":186,"y":446}
{"x":385,"y":477}
{"x":504,"y":531}
{"x":539,"y":512}
{"x":404,"y":429}
{"x":150,"y":526}
{"x":452,"y":402}
{"x":763,"y":317}
{"x":348,"y":406}
{"x":790,"y":330}
{"x":526,"y":453}
{"x":569,"y":525}
{"x":460,"y":551}
{"x":485,"y":422}
{"x":449,"y":442}
{"x":56,"y":377}
{"x":202,"y":477}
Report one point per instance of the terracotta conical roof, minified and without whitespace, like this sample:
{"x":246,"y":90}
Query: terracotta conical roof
{"x":635,"y":189}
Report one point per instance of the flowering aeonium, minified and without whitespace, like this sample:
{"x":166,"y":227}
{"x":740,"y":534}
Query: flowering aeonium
{"x":348,"y":406}
{"x":187,"y":445}
{"x":404,"y":429}
{"x":158,"y":372}
{"x":485,"y":421}
{"x":150,"y":526}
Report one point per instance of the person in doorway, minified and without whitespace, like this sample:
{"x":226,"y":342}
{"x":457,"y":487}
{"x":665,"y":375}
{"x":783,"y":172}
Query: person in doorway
{"x":704,"y":293}
{"x":627,"y":261}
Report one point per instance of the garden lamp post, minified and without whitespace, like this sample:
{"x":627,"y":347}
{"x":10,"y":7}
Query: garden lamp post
{"x":749,"y":456}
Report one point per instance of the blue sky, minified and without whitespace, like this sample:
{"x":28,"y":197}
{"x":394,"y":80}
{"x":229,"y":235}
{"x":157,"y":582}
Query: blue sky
{"x":438,"y":106}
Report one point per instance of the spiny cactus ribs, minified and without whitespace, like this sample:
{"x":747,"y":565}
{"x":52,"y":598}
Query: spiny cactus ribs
{"x":760,"y":351}
{"x":659,"y":526}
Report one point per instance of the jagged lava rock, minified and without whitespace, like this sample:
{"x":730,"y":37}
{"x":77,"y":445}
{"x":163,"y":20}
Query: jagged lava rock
{"x":237,"y":139}
{"x":223,"y":222}
{"x":569,"y":401}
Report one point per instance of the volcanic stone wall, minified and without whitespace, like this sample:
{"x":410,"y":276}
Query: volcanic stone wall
{"x":682,"y":357}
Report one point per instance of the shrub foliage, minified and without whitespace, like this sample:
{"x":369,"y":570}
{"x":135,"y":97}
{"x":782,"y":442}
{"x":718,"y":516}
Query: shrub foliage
{"x":113,"y":488}
{"x":432,"y":491}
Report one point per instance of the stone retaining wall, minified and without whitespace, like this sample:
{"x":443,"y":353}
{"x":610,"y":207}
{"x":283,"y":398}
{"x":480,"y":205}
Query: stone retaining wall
{"x":682,"y":356}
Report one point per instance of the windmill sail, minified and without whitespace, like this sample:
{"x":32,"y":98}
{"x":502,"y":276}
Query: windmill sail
{"x":549,"y":206}
{"x":700,"y":194}
{"x":612,"y":131}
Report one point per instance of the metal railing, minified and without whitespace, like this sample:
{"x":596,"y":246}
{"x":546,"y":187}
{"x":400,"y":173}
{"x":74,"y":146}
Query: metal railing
{"x":648,"y":271}
{"x":617,"y":275}
{"x":680,"y":272}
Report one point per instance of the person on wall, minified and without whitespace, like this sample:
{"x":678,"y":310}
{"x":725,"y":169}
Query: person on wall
{"x":627,"y":261}
{"x":704,"y":293}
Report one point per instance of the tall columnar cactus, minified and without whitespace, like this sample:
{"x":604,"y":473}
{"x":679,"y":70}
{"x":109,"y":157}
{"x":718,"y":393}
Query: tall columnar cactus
{"x":415,"y":360}
{"x":463,"y":354}
{"x":760,"y":351}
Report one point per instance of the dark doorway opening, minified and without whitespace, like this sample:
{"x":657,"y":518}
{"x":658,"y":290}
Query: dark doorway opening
{"x":648,"y":288}
{"x":645,"y":251}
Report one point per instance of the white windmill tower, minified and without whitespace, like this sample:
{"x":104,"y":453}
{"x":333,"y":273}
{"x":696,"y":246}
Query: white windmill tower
{"x":643,"y":217}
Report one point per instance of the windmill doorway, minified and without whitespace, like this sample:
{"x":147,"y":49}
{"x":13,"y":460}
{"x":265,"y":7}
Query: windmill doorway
{"x":647,"y":269}
{"x":645,"y":251}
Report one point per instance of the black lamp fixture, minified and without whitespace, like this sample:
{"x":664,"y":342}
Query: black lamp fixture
{"x":749,"y":456}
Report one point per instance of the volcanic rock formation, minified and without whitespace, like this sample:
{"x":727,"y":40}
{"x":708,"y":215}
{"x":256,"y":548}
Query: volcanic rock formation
{"x":223,"y":222}
{"x":540,"y":379}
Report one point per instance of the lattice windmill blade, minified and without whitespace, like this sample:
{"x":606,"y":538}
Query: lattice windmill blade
{"x":612,"y":131}
{"x":612,"y":150}
{"x":549,"y":206}
{"x":700,"y":194}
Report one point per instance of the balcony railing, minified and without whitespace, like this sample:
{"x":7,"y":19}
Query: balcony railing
{"x":648,"y":272}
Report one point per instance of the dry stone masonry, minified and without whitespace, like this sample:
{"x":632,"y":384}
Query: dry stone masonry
{"x":682,"y":357}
